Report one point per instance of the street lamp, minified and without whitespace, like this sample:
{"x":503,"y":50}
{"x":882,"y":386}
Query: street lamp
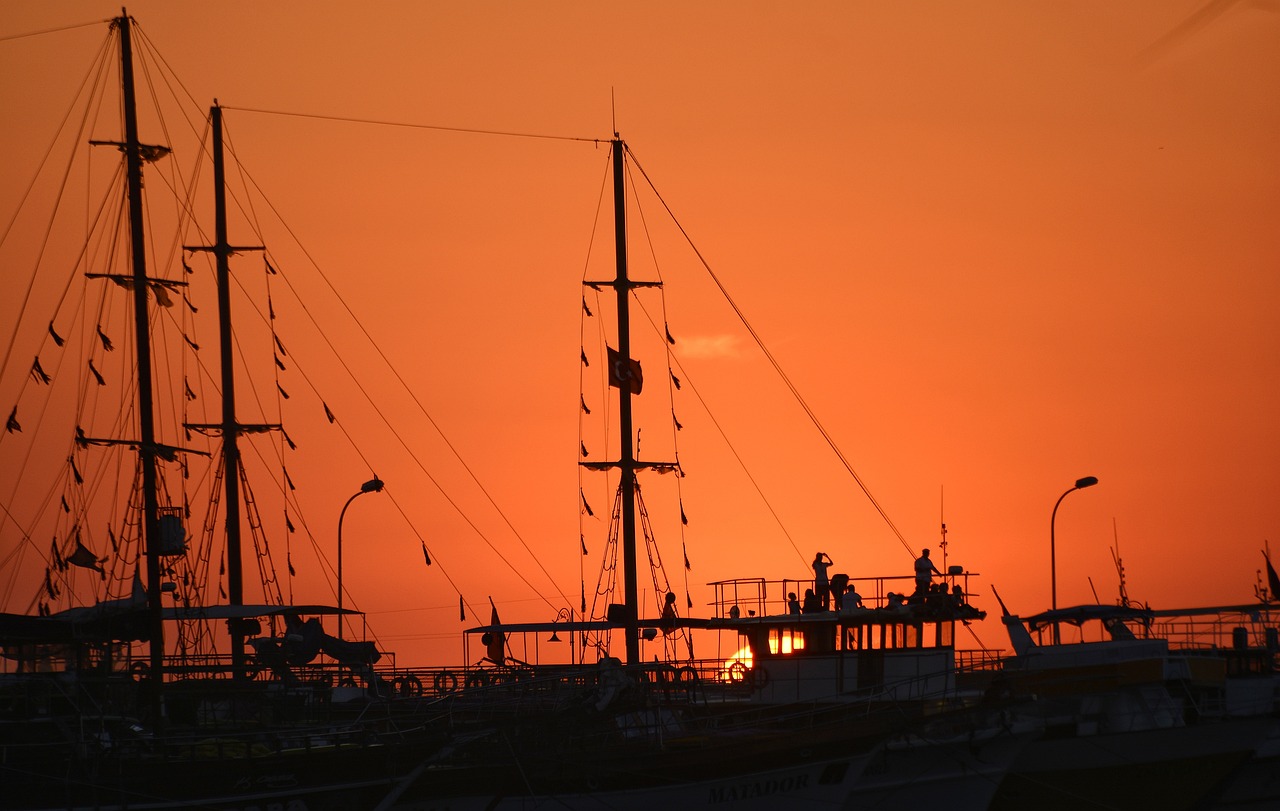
{"x":564,"y":614}
{"x":374,"y":485}
{"x":1087,"y":481}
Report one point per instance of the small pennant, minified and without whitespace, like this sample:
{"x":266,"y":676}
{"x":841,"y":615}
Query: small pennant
{"x":38,"y":372}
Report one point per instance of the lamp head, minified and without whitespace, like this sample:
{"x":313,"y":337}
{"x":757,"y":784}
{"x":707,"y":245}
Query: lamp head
{"x":1087,"y":481}
{"x":375,"y":485}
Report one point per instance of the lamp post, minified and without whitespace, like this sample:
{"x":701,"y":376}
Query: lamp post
{"x":1087,"y":481}
{"x":374,"y":485}
{"x":565,"y":613}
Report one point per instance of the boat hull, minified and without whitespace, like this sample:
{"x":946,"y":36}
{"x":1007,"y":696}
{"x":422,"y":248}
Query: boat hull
{"x":1171,"y":769}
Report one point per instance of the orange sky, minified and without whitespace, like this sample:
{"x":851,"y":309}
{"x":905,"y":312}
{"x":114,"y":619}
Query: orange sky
{"x":996,"y":246}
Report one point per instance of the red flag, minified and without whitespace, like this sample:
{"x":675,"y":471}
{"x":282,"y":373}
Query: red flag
{"x":620,"y":372}
{"x":495,"y":641}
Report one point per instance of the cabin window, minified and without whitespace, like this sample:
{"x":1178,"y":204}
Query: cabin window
{"x":853,"y":637}
{"x":911,"y":636}
{"x":946,"y":634}
{"x":785,"y":640}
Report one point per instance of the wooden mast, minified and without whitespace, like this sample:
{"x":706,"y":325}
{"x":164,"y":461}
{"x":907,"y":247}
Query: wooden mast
{"x":626,"y":458}
{"x":230,"y":431}
{"x":228,"y":427}
{"x":147,"y":449}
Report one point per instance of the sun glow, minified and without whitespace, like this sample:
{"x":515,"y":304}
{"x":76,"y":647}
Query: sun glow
{"x":733,"y":666}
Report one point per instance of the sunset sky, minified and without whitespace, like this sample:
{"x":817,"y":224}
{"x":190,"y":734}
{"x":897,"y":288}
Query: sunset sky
{"x":995,"y":246}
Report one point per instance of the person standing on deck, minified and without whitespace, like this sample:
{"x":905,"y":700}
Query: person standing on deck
{"x":925,"y":570}
{"x":821,"y":583}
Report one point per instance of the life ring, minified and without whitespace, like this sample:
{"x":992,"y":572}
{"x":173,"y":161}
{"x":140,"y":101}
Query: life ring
{"x":407,"y":685}
{"x":759,"y":677}
{"x":414,"y":685}
{"x":446,"y":682}
{"x":687,"y":676}
{"x":140,"y":670}
{"x":478,"y":678}
{"x":737,"y":672}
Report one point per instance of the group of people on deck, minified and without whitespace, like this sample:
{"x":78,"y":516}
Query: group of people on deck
{"x":828,"y":591}
{"x":837,"y":591}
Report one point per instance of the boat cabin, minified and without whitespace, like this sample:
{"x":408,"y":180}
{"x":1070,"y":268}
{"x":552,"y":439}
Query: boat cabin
{"x":887,"y":646}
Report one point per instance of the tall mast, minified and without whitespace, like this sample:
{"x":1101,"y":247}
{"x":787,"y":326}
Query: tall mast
{"x":229,"y":427}
{"x":626,"y":458}
{"x":146,"y":417}
{"x":230,"y":432}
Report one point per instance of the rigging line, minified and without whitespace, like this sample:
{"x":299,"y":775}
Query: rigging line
{"x":412,"y":396}
{"x":381,"y":123}
{"x":168,"y":74}
{"x":813,"y":418}
{"x":253,"y":304}
{"x":582,"y":344}
{"x":310,"y":383}
{"x":12,"y":37}
{"x":62,"y":187}
{"x":671,"y":403}
{"x":688,"y":380}
{"x":61,"y":357}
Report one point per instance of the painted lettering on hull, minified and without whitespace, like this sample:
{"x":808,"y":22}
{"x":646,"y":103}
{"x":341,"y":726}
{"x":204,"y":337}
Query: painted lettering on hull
{"x":832,"y":774}
{"x":755,"y":789}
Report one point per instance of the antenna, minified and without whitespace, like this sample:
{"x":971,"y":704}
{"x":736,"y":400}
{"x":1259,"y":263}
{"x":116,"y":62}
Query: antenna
{"x":1119,"y":564}
{"x":942,"y":519}
{"x":613,"y":114}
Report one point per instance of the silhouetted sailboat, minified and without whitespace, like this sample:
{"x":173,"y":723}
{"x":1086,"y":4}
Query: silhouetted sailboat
{"x":90,"y":719}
